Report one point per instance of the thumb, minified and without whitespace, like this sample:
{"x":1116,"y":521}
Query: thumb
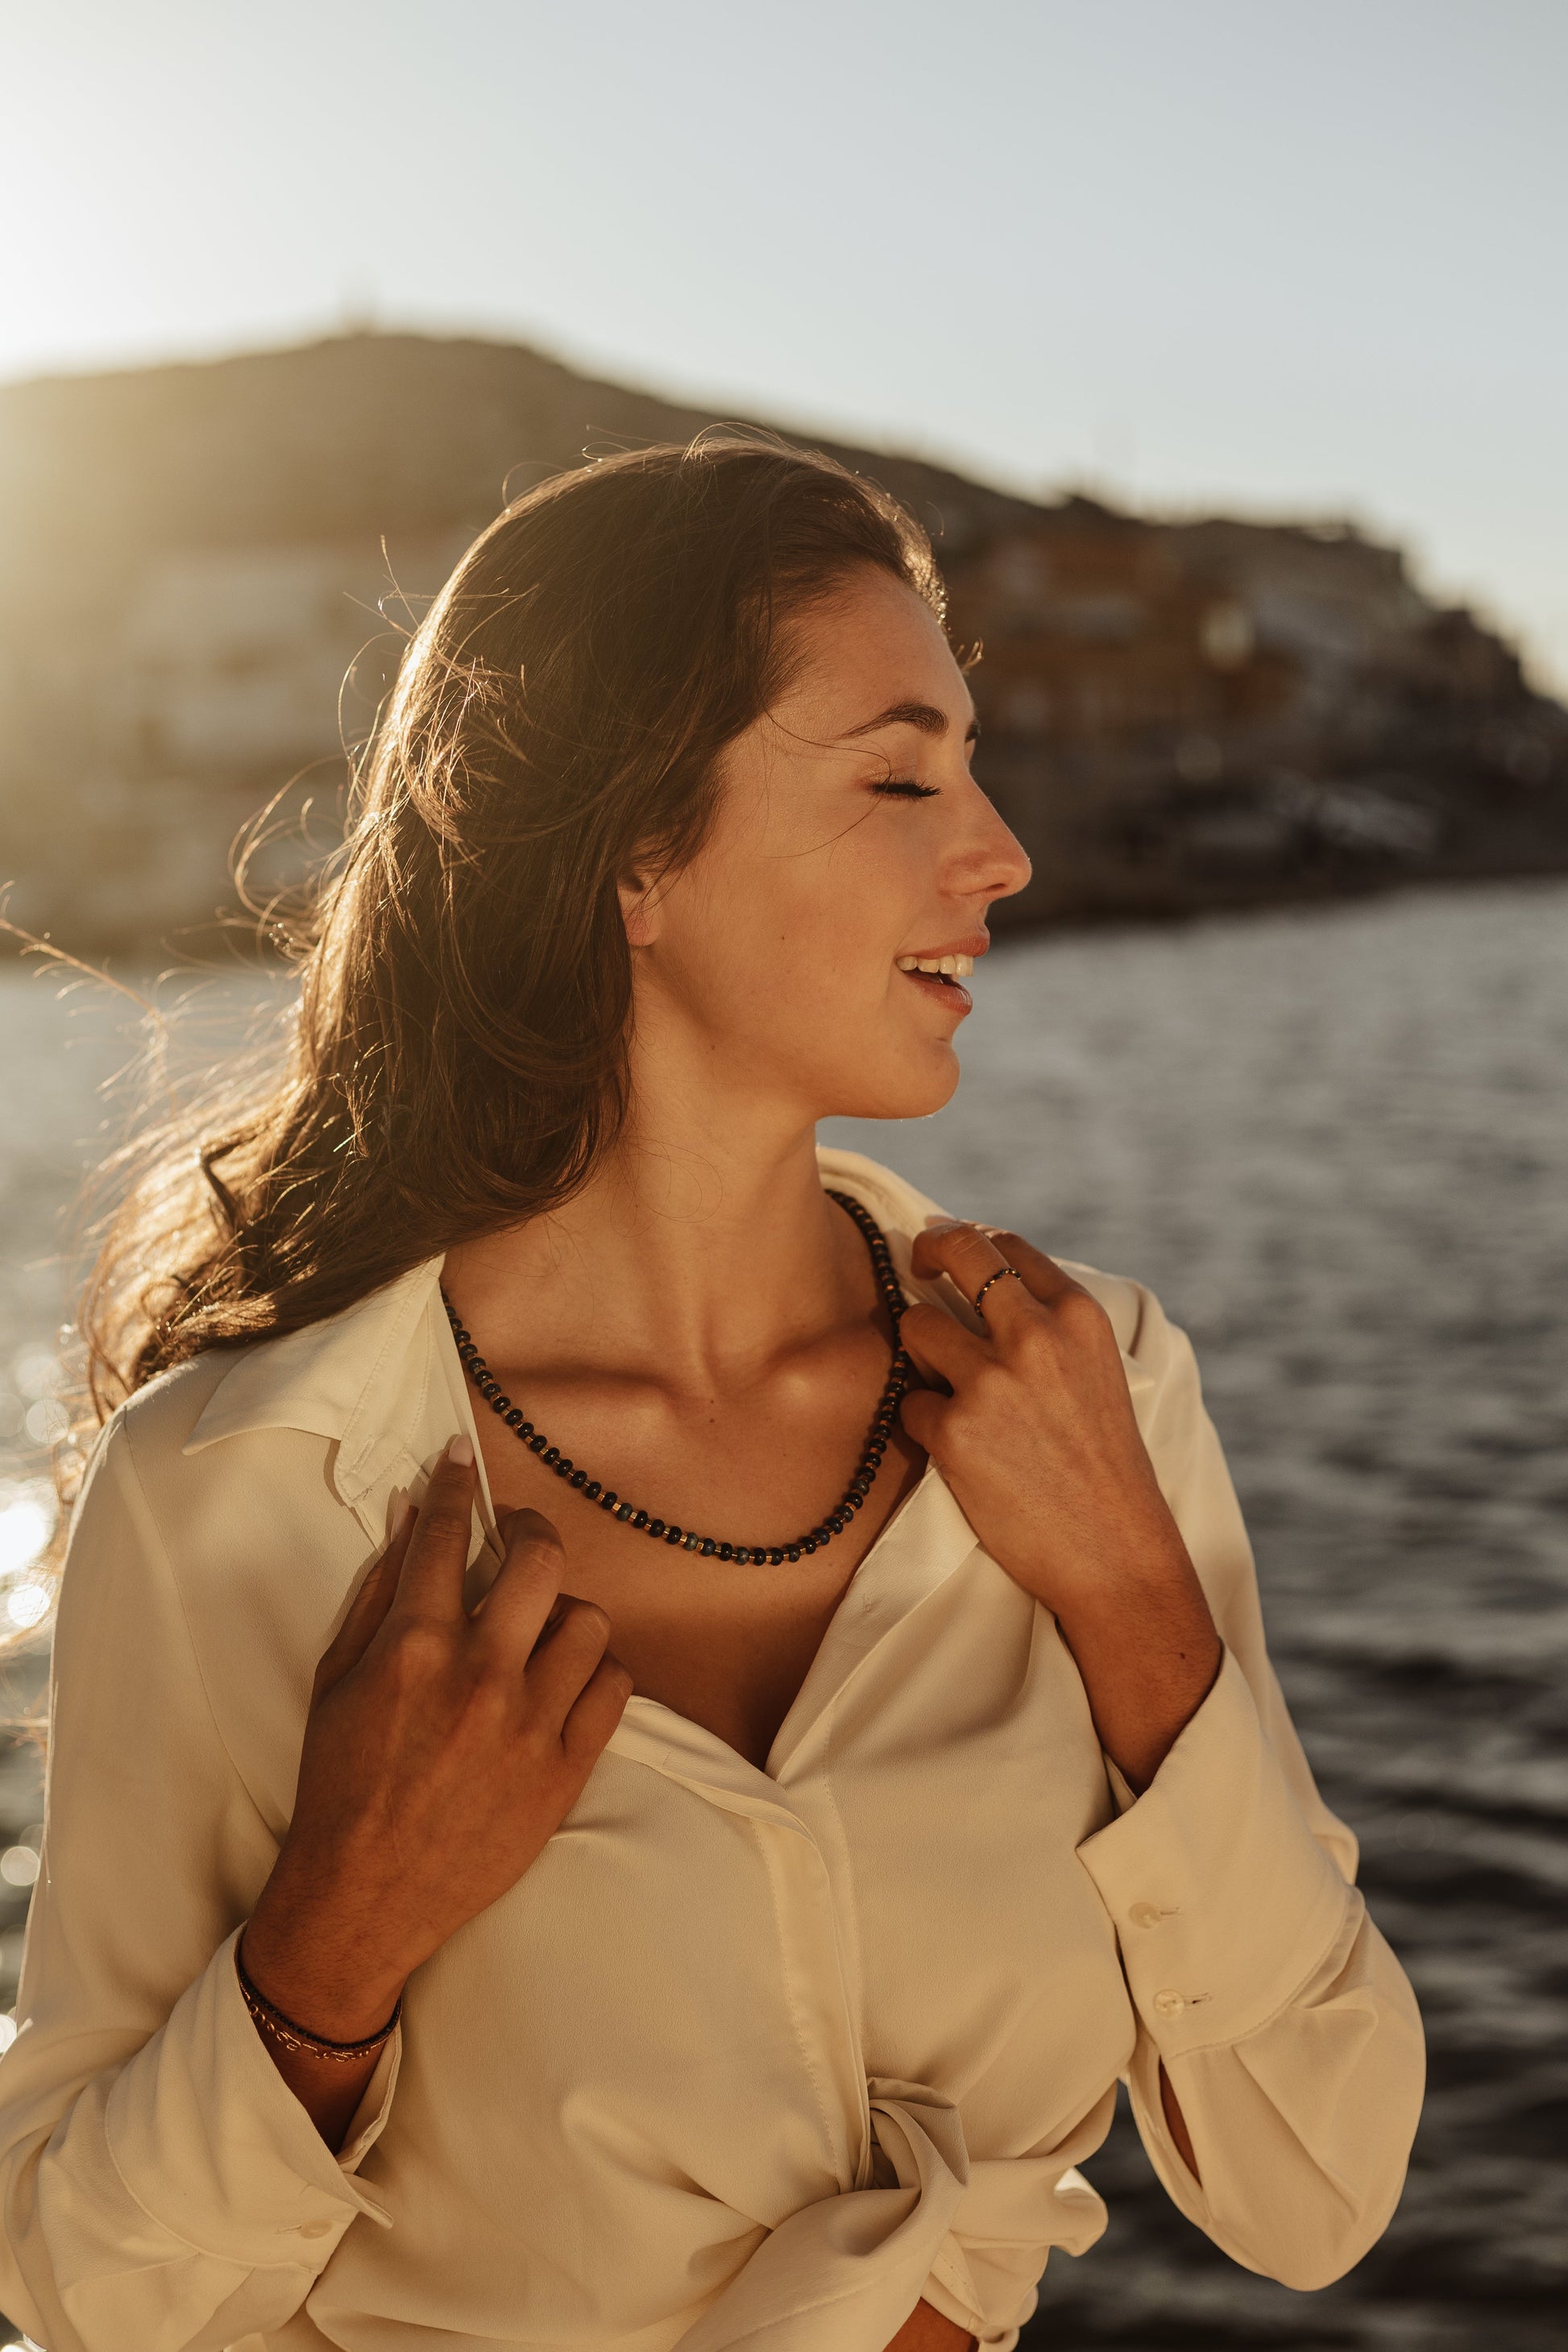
{"x":366,"y":1610}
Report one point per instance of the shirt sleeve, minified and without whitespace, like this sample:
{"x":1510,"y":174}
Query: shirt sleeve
{"x":1285,"y":2024}
{"x":160,"y":2184}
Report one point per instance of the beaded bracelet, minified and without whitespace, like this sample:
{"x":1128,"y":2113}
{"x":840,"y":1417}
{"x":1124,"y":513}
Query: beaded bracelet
{"x":295,"y":2037}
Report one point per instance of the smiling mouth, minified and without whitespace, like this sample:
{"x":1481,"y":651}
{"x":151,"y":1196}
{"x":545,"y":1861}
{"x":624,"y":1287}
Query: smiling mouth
{"x":942,"y":977}
{"x":949,"y":969}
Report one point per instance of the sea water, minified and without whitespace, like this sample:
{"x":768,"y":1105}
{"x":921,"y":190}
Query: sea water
{"x":1336,"y":1143}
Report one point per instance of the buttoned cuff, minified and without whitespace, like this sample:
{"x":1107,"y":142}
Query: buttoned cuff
{"x":1222,"y":1900}
{"x":213,"y":2144}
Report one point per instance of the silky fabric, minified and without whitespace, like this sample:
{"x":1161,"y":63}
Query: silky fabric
{"x":749,"y":2057}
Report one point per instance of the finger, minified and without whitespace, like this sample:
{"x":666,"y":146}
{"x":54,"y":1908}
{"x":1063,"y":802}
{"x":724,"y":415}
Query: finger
{"x":516,"y":1609}
{"x":939,"y":1347}
{"x":1043,"y":1278}
{"x":431,"y":1584}
{"x":970,"y":1259}
{"x":368,"y":1608}
{"x":923,"y":1414}
{"x":595,"y":1711}
{"x":568,"y":1652}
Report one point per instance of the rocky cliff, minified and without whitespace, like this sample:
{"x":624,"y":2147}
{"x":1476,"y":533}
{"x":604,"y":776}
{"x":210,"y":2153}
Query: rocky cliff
{"x":203,"y":570}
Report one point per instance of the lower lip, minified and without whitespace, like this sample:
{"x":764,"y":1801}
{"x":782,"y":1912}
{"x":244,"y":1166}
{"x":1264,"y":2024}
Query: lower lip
{"x":952,"y":993}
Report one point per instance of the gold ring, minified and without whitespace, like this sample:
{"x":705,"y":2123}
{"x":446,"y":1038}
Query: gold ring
{"x":987,"y":1283}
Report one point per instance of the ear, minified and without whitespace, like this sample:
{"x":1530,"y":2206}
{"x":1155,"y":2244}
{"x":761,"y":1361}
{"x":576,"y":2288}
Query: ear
{"x":641,"y":902}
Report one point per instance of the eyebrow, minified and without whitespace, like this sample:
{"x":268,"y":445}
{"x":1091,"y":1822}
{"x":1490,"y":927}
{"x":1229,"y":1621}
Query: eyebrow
{"x":925,"y":716}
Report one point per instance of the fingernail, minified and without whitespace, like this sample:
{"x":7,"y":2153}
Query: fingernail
{"x":461,"y":1452}
{"x":401,"y":1518}
{"x":942,"y":1225}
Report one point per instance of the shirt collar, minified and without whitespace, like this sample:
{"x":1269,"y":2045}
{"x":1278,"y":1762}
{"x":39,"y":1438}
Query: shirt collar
{"x":359,"y":1378}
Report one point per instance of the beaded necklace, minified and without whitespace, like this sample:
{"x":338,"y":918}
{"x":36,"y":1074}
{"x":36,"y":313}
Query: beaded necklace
{"x":709,"y":1546}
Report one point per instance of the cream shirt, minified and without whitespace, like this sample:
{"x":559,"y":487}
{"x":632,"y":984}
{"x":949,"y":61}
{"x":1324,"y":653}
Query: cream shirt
{"x":748,"y":2058}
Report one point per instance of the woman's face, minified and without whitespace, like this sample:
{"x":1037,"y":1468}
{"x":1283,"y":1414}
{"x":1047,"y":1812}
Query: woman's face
{"x":851,"y":839}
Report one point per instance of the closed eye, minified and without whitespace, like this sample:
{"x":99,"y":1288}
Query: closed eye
{"x":904,"y":788}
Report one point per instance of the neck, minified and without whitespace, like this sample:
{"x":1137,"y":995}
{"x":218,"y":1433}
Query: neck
{"x":703,"y":1245}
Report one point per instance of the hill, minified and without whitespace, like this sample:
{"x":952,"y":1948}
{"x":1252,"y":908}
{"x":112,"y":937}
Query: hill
{"x":194,"y":558}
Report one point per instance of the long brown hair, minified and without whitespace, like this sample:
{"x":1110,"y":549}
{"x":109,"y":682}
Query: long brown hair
{"x":459,"y":1058}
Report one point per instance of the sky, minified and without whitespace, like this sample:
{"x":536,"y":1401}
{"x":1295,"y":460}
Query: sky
{"x":1270,"y":257}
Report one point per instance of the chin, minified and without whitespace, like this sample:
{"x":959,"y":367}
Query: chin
{"x":914,"y":1088}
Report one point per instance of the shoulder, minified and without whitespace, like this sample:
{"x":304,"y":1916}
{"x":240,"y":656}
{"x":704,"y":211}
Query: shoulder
{"x":224,"y":1560}
{"x":161,"y":1505}
{"x":156,"y":1440}
{"x":157,"y":1421}
{"x":136,"y":1449}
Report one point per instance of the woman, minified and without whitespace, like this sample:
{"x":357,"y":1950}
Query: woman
{"x":789,"y":1763}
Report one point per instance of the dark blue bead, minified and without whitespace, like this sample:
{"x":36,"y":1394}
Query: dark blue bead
{"x":673,"y":1535}
{"x":655,"y":1526}
{"x":592,"y":1491}
{"x":552,"y":1457}
{"x":623,"y":1510}
{"x":579,"y":1479}
{"x":710,"y":1548}
{"x":538,"y":1442}
{"x":639,"y":1520}
{"x":514,"y":1418}
{"x":792,"y":1551}
{"x":774,"y":1556}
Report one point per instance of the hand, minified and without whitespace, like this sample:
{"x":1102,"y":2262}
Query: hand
{"x":1040,"y":1443}
{"x":925,"y":2330}
{"x":443,"y":1749}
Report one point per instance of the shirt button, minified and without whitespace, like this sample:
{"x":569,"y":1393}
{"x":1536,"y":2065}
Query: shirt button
{"x":1146,"y":1915}
{"x":1168,"y":2003}
{"x":315,"y":2229}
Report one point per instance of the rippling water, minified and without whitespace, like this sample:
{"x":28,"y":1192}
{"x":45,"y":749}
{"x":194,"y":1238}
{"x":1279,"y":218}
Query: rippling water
{"x":1337,"y":1143}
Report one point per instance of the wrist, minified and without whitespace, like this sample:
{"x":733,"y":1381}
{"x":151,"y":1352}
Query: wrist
{"x":1141,"y":1584}
{"x":325,"y":1980}
{"x":1146,"y":1671}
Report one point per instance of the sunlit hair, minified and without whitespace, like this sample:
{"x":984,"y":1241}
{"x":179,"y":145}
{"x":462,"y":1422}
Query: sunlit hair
{"x":458,"y":1062}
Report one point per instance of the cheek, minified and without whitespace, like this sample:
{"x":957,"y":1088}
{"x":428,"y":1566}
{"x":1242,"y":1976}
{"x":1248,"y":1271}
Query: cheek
{"x":795,"y":921}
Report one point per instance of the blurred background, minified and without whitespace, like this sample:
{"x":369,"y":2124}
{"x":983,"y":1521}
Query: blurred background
{"x":1223,"y":349}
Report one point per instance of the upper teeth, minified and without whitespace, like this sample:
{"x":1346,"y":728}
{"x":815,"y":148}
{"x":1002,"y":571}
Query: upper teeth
{"x":956,"y":967}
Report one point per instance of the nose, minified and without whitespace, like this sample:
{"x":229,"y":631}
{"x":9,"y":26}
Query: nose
{"x":994,"y":856}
